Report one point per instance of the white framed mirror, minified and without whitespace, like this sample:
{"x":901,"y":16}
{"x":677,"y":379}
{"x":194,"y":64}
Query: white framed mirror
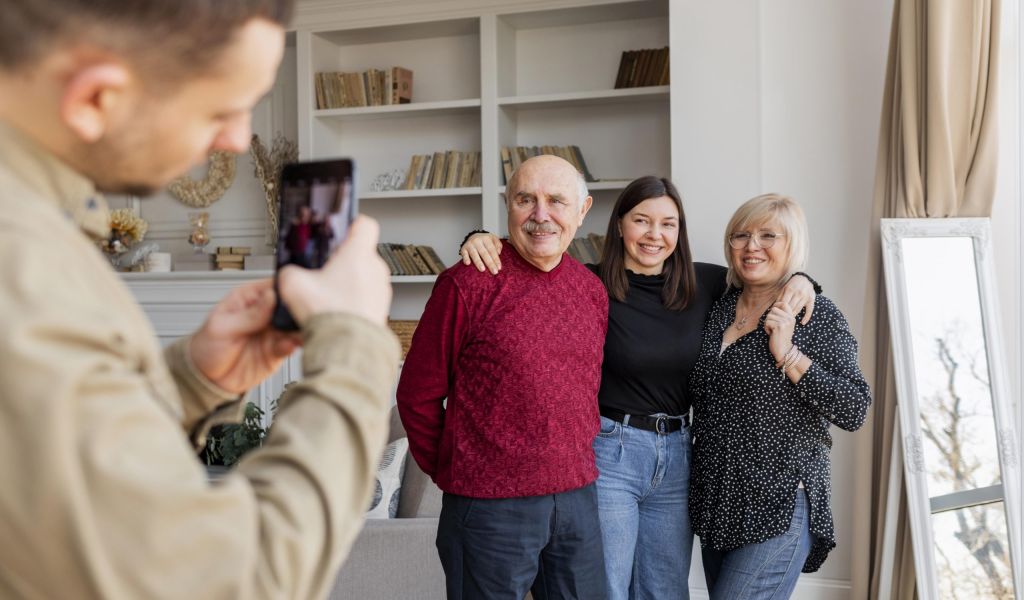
{"x":960,"y":454}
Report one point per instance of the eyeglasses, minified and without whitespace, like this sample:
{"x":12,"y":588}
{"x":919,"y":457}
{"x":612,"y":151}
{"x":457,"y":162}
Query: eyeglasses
{"x":764,"y":239}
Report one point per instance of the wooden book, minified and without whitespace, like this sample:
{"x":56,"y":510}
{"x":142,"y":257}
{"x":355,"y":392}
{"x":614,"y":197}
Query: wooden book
{"x":583,"y":164}
{"x":318,"y":82}
{"x":385,"y":253}
{"x":410,"y":173}
{"x":408,"y":264}
{"x":451,"y":176}
{"x":506,"y":163}
{"x":423,"y":178}
{"x":621,"y":75}
{"x":437,"y":171}
{"x":432,"y":258}
{"x":422,"y":268}
{"x":401,"y":92}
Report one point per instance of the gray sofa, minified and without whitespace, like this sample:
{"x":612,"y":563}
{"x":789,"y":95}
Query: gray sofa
{"x":396,"y":558}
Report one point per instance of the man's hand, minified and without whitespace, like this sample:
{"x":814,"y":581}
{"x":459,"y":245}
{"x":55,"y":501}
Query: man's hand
{"x":354,"y":280}
{"x":236,"y":348}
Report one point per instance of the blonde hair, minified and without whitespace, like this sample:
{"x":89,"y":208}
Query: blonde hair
{"x":775,"y":209}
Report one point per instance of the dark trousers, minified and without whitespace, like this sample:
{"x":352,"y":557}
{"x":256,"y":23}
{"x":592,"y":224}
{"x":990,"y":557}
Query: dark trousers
{"x":501,"y":548}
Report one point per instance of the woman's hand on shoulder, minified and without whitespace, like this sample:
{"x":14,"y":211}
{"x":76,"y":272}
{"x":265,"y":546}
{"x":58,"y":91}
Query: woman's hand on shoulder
{"x":798,"y":293}
{"x":483,"y":251}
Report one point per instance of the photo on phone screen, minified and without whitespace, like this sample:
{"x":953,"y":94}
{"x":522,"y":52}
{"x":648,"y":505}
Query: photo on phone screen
{"x":316,"y":205}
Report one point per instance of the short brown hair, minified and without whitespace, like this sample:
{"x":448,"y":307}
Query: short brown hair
{"x":173,"y":36}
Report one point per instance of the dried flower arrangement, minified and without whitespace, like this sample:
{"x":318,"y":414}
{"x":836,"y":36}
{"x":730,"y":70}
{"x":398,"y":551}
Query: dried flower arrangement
{"x":126,"y":229}
{"x":268,"y":163}
{"x":204,"y":192}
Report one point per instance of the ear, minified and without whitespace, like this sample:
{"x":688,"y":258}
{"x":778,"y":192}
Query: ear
{"x":587,"y":203}
{"x":92,"y":96}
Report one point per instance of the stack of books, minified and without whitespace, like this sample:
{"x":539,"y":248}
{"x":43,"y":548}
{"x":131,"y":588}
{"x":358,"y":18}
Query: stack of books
{"x":449,"y":169}
{"x":587,"y":249}
{"x":376,"y":87}
{"x":231,"y":258}
{"x":639,"y":68}
{"x":410,"y":259}
{"x":512,"y":157}
{"x":193,"y":261}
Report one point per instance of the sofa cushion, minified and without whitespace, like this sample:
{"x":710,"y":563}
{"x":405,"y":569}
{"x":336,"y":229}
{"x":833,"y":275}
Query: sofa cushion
{"x":388,"y":487}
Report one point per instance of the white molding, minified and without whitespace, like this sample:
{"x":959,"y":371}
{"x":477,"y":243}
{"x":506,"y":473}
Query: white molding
{"x":653,"y":93}
{"x":177,"y":303}
{"x":321,"y":15}
{"x":423,"y":193}
{"x":808,"y":587}
{"x":393,"y":111}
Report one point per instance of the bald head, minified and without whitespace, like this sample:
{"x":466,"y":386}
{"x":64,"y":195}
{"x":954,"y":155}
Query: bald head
{"x":547,"y":200}
{"x":555,"y":162}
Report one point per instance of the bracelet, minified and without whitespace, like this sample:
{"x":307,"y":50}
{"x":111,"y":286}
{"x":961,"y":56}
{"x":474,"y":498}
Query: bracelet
{"x":792,"y":357}
{"x":469,"y":235}
{"x":786,"y":356}
{"x":792,"y":362}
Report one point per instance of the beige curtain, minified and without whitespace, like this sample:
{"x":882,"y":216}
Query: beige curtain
{"x":936,"y":158}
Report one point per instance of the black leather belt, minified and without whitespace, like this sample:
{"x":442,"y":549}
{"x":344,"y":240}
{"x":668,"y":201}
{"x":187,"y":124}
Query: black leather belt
{"x":661,"y":425}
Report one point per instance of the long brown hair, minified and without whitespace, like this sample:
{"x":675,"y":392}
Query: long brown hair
{"x":680,"y":277}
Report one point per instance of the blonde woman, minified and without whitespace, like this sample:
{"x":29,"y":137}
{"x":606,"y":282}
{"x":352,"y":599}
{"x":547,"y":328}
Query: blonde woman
{"x":766,"y":389}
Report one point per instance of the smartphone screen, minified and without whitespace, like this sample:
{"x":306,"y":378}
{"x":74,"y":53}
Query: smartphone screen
{"x":316,"y":205}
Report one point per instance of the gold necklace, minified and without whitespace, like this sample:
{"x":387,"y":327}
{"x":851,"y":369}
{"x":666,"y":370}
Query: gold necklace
{"x":740,"y":322}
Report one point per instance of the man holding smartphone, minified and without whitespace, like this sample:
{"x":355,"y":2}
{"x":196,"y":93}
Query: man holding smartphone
{"x":103,"y":496}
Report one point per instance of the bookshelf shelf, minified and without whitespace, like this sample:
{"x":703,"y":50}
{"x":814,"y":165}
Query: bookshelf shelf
{"x":488,"y":76}
{"x":413,"y":278}
{"x":569,"y":99}
{"x":595,"y":186}
{"x":429,"y":193}
{"x":444,"y":107}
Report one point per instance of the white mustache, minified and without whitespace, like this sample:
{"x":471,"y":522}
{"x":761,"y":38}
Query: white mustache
{"x":535,"y":227}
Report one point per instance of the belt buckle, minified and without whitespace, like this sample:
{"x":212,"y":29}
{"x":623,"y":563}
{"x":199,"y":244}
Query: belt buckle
{"x":661,"y":425}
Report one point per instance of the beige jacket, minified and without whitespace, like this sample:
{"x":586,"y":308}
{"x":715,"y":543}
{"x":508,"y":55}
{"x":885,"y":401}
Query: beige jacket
{"x":101,"y":494}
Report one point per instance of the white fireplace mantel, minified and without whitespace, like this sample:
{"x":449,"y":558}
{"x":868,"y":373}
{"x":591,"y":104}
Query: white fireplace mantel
{"x":177,"y":304}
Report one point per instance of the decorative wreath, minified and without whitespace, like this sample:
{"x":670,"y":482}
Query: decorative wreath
{"x":209,"y":189}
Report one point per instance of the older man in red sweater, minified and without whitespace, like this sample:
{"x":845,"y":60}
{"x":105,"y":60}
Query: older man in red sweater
{"x":518,"y":358}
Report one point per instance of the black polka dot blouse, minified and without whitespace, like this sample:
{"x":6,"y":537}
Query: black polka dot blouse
{"x":758,"y":436}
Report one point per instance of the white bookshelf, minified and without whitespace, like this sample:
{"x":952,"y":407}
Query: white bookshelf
{"x":481,"y":80}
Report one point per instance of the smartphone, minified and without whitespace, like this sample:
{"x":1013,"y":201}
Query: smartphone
{"x":316,"y":205}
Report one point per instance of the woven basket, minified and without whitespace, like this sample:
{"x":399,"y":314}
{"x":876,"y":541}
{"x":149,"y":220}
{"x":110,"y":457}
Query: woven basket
{"x":404,"y":331}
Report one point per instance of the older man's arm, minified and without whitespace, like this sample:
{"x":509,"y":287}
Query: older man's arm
{"x":427,"y":371}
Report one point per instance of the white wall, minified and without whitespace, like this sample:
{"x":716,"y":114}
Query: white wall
{"x":785,"y":96}
{"x":239,"y":218}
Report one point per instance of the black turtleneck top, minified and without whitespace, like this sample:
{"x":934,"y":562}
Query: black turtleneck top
{"x":650,"y":350}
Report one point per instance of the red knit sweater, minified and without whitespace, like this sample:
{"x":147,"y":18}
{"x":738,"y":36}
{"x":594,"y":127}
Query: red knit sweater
{"x":518,"y":357}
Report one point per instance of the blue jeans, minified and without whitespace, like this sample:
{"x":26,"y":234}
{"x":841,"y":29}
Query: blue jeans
{"x":764,"y":571}
{"x":641,"y":498}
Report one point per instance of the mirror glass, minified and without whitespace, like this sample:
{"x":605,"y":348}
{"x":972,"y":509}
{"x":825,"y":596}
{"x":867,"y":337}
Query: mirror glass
{"x":958,"y":453}
{"x":972,"y":555}
{"x":950,"y":365}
